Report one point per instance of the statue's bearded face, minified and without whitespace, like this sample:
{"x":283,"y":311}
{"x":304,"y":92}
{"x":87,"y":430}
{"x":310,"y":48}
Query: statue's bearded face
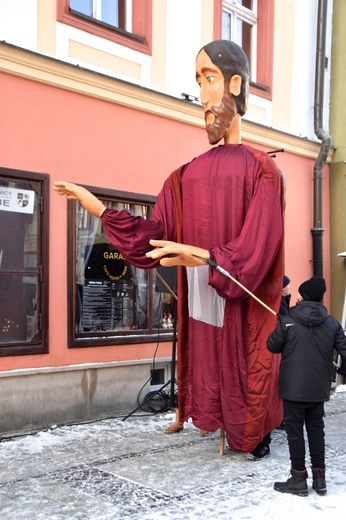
{"x":216,"y":98}
{"x":224,"y":113}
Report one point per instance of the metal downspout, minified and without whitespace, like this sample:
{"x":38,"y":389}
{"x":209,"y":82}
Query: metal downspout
{"x":323,"y":135}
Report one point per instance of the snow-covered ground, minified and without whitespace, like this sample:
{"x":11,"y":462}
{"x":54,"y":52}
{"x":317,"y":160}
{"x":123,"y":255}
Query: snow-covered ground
{"x":115,"y":469}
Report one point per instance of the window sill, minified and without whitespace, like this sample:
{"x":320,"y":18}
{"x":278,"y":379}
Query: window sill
{"x":99,"y":23}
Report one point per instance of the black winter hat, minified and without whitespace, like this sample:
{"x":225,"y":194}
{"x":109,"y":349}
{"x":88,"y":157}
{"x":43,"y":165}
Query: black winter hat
{"x":285,"y":281}
{"x":313,"y":289}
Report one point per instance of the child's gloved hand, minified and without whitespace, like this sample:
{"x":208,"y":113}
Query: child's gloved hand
{"x":342,"y":369}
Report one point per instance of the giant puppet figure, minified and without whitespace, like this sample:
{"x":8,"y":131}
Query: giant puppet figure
{"x":226,"y":205}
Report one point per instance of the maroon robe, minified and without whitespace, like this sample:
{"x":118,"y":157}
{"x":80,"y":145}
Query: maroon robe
{"x":229,"y":201}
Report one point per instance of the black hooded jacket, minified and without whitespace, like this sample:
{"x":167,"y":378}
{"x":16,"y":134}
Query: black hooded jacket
{"x":306,"y":338}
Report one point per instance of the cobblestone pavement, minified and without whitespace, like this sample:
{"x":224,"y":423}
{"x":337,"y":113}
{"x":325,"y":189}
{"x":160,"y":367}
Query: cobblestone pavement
{"x":130,"y":469}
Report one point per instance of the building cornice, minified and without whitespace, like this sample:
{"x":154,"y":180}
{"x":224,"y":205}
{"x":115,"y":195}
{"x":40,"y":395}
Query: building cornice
{"x":49,"y":71}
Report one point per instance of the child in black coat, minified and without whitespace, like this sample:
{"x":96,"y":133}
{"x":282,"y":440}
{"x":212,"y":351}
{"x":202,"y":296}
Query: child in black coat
{"x":306,"y":338}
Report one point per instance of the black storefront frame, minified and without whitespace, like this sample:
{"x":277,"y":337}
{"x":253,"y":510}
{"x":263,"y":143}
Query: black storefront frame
{"x":38,"y":344}
{"x":105,"y":338}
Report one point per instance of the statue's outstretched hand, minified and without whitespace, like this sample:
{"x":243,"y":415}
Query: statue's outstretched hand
{"x":75,"y":192}
{"x":173,"y":253}
{"x":67,"y":188}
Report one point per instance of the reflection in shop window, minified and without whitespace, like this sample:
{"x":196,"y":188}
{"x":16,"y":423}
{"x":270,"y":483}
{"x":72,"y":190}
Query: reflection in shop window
{"x":112,"y":297}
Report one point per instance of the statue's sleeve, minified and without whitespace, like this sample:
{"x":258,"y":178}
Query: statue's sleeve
{"x":131,"y":234}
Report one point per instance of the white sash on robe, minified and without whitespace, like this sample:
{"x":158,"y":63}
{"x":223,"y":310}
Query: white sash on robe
{"x":204,"y":302}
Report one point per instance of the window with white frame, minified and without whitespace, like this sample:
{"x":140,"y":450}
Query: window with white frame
{"x":116,"y":13}
{"x":239,"y":24}
{"x":250,"y":23}
{"x":126,"y":22}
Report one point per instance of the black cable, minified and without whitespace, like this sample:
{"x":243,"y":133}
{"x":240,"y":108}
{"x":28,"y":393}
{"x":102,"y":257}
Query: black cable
{"x":160,"y":400}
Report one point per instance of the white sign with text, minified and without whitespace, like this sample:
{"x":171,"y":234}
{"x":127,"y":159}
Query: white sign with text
{"x":19,"y":201}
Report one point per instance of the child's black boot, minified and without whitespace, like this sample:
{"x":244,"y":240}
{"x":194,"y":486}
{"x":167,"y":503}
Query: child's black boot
{"x":296,"y":484}
{"x":319,"y":480}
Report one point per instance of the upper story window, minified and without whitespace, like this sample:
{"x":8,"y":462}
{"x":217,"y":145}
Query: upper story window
{"x":24,"y":241}
{"x":239,"y":24}
{"x":111,"y":301}
{"x":249,"y":23}
{"x":127,"y":22}
{"x":116,"y":13}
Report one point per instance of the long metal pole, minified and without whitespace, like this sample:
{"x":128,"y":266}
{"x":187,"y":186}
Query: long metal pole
{"x":226,"y":273}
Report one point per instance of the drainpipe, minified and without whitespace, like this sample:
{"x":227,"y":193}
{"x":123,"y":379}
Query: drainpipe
{"x":323,"y":135}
